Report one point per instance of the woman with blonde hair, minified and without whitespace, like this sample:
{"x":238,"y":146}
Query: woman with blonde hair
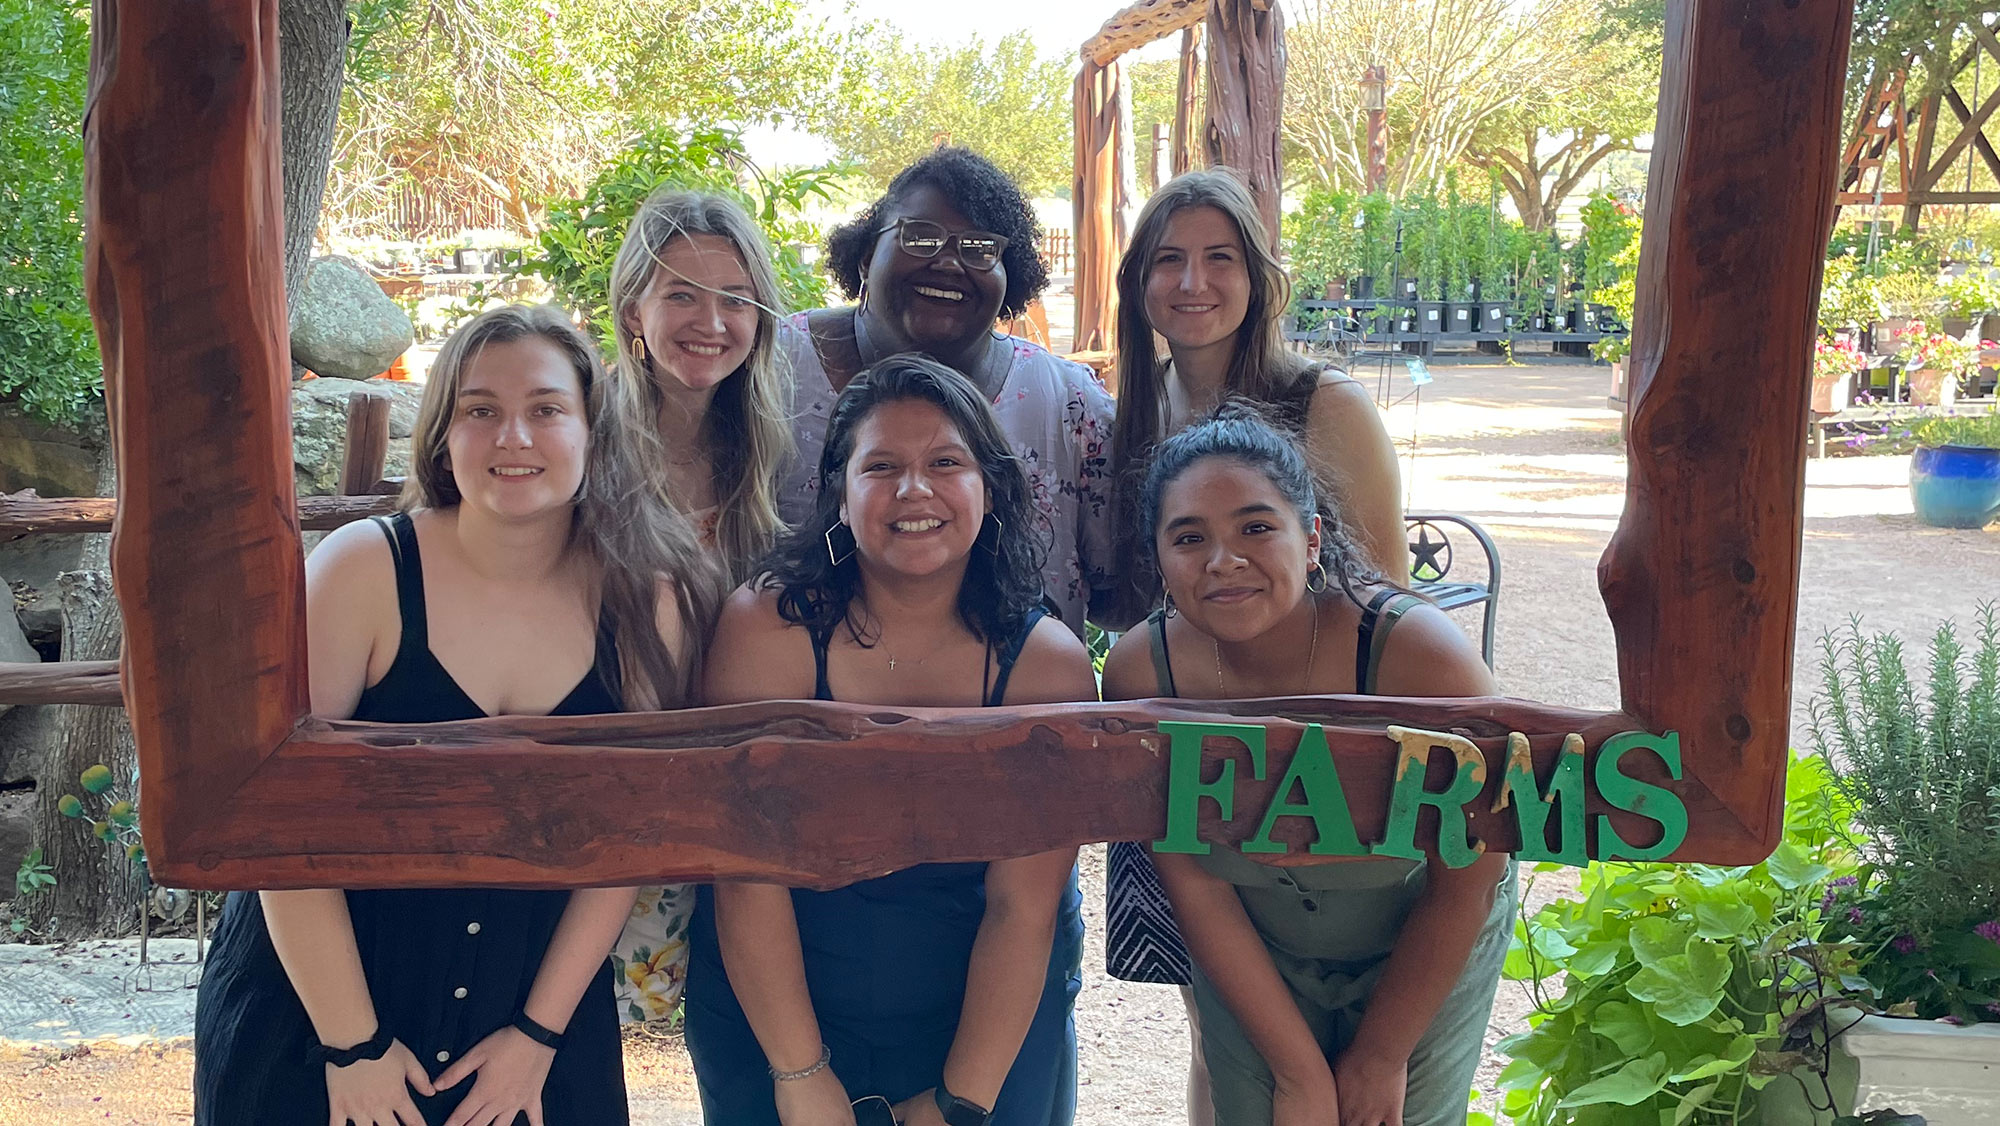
{"x":695,"y":303}
{"x":1201,"y":274}
{"x":696,"y":306}
{"x":531,"y":571}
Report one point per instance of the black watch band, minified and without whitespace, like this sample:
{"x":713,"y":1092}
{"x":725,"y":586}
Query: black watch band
{"x":533,"y":1030}
{"x":959,"y":1112}
{"x":373,"y":1048}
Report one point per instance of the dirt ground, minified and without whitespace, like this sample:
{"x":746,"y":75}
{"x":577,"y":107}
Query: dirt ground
{"x":1531,"y":452}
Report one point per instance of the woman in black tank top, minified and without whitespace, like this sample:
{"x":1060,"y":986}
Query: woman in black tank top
{"x":944,"y":988}
{"x":492,"y":595}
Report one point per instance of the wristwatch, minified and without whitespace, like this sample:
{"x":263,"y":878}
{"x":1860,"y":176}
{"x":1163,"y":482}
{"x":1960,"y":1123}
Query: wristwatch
{"x":959,"y":1112}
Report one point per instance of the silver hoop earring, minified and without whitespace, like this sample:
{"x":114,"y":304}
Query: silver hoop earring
{"x":831,"y":554}
{"x":1316,"y":570}
{"x":1172,"y":610}
{"x":999,"y":527}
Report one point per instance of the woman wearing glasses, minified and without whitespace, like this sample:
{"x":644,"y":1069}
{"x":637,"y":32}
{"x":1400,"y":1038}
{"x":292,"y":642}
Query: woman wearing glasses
{"x":950,"y":249}
{"x":944,"y":988}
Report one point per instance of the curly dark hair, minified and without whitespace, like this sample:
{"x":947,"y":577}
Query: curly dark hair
{"x":982,"y":193}
{"x":1244,"y":432}
{"x":1003,"y":576}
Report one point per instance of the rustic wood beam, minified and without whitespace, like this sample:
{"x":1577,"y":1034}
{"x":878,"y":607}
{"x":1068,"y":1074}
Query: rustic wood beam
{"x":1705,"y":567}
{"x":1964,"y":114}
{"x":810,"y":794}
{"x":1185,"y":128}
{"x":366,"y":451}
{"x":61,"y":682}
{"x":1974,"y":126}
{"x":1141,"y":23}
{"x":1972,"y":197}
{"x":184,"y":265}
{"x":1246,"y":99}
{"x":1098,"y":203}
{"x":24,"y":515}
{"x":1921,"y":176}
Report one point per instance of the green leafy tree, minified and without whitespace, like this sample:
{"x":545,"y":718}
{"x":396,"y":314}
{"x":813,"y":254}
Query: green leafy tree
{"x":1009,"y":103}
{"x":1541,"y":147}
{"x":524,"y":100}
{"x":48,"y":351}
{"x":577,"y":244}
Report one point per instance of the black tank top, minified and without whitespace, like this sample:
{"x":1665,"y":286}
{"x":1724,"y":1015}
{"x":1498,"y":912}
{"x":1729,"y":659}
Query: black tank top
{"x":418,"y":689}
{"x":1003,"y":659}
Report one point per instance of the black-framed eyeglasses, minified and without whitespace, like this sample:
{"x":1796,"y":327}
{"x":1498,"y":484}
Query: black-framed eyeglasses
{"x":921,"y":238}
{"x":874,"y":1110}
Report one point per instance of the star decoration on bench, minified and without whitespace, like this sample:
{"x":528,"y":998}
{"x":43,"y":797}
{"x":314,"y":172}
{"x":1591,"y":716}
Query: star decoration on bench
{"x":1424,"y":555}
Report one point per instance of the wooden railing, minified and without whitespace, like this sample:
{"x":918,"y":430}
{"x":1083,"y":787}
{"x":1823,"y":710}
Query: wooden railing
{"x":366,"y":493}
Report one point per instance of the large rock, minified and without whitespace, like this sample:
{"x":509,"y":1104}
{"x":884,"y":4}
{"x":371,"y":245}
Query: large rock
{"x":319,"y":429}
{"x":55,"y":461}
{"x":345,"y":326}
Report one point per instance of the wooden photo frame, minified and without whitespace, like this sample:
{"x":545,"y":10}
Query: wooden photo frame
{"x":243,"y":789}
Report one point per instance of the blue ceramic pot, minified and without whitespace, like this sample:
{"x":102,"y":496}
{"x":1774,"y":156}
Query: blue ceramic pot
{"x":1956,"y":486}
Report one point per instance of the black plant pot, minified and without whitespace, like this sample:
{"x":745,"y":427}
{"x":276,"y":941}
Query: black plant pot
{"x":1430,"y":316}
{"x":1492,"y":316}
{"x":1538,"y":322}
{"x":1458,"y":316}
{"x":1362,"y":288}
{"x":1406,"y":288}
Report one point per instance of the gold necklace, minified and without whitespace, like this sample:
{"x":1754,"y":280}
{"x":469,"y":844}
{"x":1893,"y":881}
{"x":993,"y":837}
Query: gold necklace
{"x":1222,"y":689}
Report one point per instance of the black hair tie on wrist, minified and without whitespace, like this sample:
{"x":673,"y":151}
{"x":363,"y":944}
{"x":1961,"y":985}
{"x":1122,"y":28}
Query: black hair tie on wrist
{"x":529,"y":1027}
{"x":373,"y":1048}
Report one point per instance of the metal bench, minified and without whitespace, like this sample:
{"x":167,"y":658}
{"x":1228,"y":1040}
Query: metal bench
{"x":1430,"y":570}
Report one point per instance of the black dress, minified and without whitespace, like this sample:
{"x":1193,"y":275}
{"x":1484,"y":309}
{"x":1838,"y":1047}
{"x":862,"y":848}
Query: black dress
{"x":445,"y":968}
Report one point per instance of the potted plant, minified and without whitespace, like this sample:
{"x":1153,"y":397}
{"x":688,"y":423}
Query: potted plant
{"x":1955,"y":472}
{"x":1680,"y":990}
{"x":1935,"y":363}
{"x":1835,"y":363}
{"x":1921,"y":775}
{"x":1972,"y":299}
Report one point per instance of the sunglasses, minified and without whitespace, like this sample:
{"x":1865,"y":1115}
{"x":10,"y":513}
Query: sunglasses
{"x":921,"y":238}
{"x":874,"y":1110}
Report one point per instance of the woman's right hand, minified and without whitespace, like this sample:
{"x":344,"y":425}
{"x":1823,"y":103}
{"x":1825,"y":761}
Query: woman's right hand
{"x":817,"y":1100}
{"x":1304,"y":1102}
{"x":377,"y":1092}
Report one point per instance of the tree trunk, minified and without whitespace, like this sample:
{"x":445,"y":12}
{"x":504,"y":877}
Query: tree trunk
{"x":312,"y":47}
{"x":97,"y":890}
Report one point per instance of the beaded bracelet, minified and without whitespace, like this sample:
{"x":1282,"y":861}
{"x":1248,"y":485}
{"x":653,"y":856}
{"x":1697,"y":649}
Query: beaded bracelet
{"x":825,"y":1057}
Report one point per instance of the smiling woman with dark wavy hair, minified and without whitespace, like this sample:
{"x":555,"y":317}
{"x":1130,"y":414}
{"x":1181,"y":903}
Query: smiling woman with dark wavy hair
{"x":944,"y":988}
{"x":947,"y":251}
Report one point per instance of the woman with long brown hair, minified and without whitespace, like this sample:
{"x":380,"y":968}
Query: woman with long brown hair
{"x":1201,"y":274}
{"x":530,"y":571}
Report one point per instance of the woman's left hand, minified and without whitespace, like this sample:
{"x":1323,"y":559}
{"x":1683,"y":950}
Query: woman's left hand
{"x":511,"y":1071}
{"x":1371,"y":1088}
{"x":920,"y":1109}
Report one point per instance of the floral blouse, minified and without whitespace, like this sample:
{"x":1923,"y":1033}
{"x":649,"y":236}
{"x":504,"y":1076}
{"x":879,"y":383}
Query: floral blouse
{"x":1056,"y":414}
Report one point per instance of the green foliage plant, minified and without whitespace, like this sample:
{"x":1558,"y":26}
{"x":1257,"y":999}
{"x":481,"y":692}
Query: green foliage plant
{"x":113,"y":820}
{"x":1378,"y":239}
{"x":1610,"y":228}
{"x":1913,"y":292}
{"x":1981,"y":431}
{"x":1847,"y":296}
{"x":1922,"y":774}
{"x":1322,"y":241}
{"x":1972,"y":295}
{"x":48,"y":350}
{"x":582,"y":235}
{"x":1680,"y":982}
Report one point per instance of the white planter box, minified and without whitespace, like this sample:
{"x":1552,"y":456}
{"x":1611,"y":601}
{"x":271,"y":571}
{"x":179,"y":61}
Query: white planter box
{"x":1949,"y":1075}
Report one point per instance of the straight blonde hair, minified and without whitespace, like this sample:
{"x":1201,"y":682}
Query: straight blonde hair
{"x":620,"y":520}
{"x":747,"y":432}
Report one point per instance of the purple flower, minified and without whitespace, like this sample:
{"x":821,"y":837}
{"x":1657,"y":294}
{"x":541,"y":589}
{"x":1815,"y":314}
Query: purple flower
{"x":1989,"y":930}
{"x":1846,"y":881}
{"x":1905,"y":944}
{"x":1854,"y":914}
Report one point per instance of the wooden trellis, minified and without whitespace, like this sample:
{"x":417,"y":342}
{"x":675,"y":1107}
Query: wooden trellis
{"x":1927,"y":147}
{"x":244,"y":789}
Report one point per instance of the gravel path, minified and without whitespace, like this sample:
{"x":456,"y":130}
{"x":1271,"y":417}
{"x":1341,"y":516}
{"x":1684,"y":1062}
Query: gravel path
{"x":1529,"y":451}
